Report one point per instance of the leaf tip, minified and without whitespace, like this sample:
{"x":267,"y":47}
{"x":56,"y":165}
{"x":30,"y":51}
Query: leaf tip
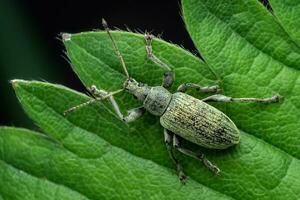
{"x":66,"y":36}
{"x":15,"y":82}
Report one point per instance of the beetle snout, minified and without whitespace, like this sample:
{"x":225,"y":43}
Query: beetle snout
{"x":127,"y":83}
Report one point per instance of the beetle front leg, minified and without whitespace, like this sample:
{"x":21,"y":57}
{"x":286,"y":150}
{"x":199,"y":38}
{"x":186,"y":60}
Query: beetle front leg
{"x":168,"y":141}
{"x":185,"y":86}
{"x":133,"y":114}
{"x":198,"y":156}
{"x":169,"y":75}
{"x":226,"y":99}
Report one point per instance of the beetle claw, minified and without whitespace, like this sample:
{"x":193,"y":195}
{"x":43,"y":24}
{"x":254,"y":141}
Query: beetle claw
{"x":183,"y":178}
{"x":217,"y":172}
{"x":278,"y":98}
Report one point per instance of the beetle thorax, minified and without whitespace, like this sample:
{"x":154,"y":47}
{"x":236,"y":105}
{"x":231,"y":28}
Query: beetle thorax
{"x":155,"y":99}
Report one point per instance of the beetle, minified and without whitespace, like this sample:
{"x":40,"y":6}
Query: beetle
{"x":182,"y":116}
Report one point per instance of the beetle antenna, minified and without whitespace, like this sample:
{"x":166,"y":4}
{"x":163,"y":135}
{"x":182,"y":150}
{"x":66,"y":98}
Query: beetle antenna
{"x":104,"y":24}
{"x":91,"y":101}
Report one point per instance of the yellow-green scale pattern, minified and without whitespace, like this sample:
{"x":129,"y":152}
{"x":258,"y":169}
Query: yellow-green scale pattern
{"x":199,"y":122}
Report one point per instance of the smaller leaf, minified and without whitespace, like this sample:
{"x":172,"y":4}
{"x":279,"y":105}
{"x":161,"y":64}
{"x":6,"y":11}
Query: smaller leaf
{"x":16,"y":184}
{"x":251,"y":169}
{"x":115,"y":175}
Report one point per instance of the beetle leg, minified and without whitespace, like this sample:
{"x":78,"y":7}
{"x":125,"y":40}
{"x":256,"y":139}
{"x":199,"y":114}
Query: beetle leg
{"x":169,"y":75}
{"x":222,"y":98}
{"x":133,"y":114}
{"x":185,"y":86}
{"x":199,"y":156}
{"x":168,"y":141}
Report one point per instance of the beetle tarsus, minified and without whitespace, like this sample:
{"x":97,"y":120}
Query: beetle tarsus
{"x":199,"y":156}
{"x":168,"y":141}
{"x":211,"y":166}
{"x":182,"y":177}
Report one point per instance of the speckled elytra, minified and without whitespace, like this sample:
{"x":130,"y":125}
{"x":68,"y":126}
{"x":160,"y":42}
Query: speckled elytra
{"x":183,"y":117}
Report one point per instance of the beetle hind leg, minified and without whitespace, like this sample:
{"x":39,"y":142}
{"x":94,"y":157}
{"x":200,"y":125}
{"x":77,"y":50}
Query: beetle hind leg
{"x":199,"y":156}
{"x":168,"y":141}
{"x":226,"y":99}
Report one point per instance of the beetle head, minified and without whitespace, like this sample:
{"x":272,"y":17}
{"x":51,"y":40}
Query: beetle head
{"x":138,"y":89}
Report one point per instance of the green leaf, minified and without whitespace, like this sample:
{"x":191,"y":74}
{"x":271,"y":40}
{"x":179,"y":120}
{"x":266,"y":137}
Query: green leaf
{"x":41,"y":168}
{"x":18,"y":184}
{"x":288,"y":13}
{"x":253,"y":56}
{"x":86,"y":154}
{"x":92,"y":153}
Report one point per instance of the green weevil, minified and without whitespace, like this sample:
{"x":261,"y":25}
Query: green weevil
{"x":183,"y":117}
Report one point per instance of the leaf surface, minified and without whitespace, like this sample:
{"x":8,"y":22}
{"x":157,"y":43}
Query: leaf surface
{"x":93,"y":155}
{"x":254,"y":57}
{"x":288,"y":13}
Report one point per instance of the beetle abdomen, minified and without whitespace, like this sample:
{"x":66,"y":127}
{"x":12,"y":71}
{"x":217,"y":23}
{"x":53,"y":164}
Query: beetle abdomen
{"x":198,"y":122}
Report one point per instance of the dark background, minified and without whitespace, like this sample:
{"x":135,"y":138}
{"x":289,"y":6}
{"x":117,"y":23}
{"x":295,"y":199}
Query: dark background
{"x":30,"y":50}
